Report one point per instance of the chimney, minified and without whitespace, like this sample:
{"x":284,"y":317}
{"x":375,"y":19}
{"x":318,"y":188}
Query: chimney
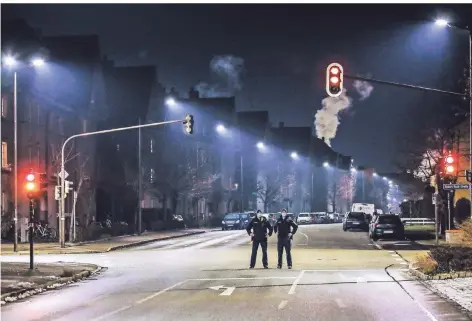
{"x":193,"y":93}
{"x":281,"y":124}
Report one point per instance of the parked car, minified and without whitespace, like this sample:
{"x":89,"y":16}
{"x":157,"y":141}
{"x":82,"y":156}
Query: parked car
{"x":304,"y":218}
{"x":244,"y":220}
{"x":355,"y":220}
{"x":231,"y":221}
{"x":386,"y":226}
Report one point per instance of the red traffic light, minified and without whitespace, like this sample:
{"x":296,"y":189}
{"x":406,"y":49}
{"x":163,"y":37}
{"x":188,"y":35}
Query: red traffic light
{"x":449,"y":164}
{"x":30,"y":177}
{"x":334,"y":80}
{"x":449,"y":159}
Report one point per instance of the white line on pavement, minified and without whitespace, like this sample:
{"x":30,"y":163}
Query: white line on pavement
{"x":395,"y":255}
{"x":282,"y":304}
{"x":429,"y":314}
{"x":295,"y":283}
{"x":254,"y":278}
{"x":160,"y":292}
{"x":399,"y":259}
{"x":111,"y":313}
{"x":340,"y":303}
{"x":306,"y":243}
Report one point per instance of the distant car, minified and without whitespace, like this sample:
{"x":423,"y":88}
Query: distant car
{"x":355,"y":220}
{"x":304,"y":218}
{"x":244,"y":220}
{"x":231,"y":221}
{"x":386,"y":226}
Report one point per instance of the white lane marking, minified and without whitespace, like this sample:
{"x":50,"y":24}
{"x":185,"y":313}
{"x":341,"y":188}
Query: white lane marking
{"x":216,"y":241}
{"x":399,"y":259}
{"x":111,"y":313}
{"x":229,"y":289}
{"x":160,"y":292}
{"x":395,"y":255}
{"x":429,"y":314}
{"x":282,"y":304}
{"x":254,"y":278}
{"x":361,"y":280}
{"x":404,"y":263}
{"x":340,"y":303}
{"x":378,"y":246}
{"x":295,"y":282}
{"x":391,"y":251}
{"x":367,"y":270}
{"x":306,"y":243}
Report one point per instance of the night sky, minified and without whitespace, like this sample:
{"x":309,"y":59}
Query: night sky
{"x":286,"y":49}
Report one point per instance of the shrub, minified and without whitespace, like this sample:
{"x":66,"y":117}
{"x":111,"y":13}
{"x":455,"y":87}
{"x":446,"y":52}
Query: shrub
{"x":426,"y":264}
{"x":466,"y":228}
{"x":67,"y":273}
{"x":452,"y":258}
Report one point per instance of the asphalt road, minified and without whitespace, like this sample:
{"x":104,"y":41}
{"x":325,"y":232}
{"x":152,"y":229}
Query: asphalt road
{"x":337,"y":276}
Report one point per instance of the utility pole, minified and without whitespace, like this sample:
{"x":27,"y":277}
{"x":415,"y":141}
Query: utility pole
{"x":31,"y":231}
{"x":140,"y":183}
{"x":242,"y":184}
{"x":15,"y":160}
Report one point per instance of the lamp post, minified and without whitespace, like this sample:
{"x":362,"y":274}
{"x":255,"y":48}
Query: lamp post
{"x":10,"y":61}
{"x":445,"y":23}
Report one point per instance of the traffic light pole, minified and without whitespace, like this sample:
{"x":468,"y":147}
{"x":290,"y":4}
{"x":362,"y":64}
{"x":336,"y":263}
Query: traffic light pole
{"x":62,"y":199}
{"x":31,"y":231}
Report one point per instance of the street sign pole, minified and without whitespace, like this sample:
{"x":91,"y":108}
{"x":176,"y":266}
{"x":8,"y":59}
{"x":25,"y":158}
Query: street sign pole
{"x":63,"y":171}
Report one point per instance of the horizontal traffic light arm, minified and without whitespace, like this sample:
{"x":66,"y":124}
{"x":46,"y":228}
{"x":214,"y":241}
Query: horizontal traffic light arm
{"x":383,"y":82}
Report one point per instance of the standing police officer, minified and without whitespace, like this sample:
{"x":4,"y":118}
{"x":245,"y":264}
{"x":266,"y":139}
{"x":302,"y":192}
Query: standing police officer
{"x":285,"y":229}
{"x":260,"y":230}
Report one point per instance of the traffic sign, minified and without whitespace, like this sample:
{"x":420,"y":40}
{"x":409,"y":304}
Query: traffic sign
{"x":65,"y":175}
{"x":449,"y":187}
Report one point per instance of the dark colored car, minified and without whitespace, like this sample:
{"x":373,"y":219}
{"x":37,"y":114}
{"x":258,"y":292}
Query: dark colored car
{"x":386,"y":226}
{"x":232,"y":221}
{"x":244,"y":220}
{"x":355,"y":220}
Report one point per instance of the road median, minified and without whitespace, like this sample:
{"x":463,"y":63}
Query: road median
{"x":19,"y":282}
{"x":101,"y":246}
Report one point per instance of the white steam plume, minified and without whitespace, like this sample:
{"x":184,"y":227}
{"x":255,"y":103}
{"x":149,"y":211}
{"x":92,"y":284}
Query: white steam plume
{"x":327,"y":119}
{"x":229,"y":68}
{"x":363,"y":88}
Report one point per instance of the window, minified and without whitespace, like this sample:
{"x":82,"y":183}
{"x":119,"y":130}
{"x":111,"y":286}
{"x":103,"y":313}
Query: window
{"x":4,"y":106}
{"x":4,"y":154}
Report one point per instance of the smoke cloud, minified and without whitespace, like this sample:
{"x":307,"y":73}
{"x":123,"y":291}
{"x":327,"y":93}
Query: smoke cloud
{"x":327,"y":118}
{"x":363,"y":88}
{"x":229,"y":69}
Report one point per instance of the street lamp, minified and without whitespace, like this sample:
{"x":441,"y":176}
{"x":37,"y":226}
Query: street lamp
{"x":353,"y":170}
{"x":10,"y":61}
{"x":221,"y":129}
{"x":325,"y":164}
{"x":445,"y":23}
{"x":171,"y":102}
{"x":375,"y":174}
{"x":294,"y":155}
{"x":260,"y":145}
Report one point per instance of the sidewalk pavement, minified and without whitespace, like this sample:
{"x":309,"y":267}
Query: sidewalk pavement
{"x":18,"y":281}
{"x":100,"y":246}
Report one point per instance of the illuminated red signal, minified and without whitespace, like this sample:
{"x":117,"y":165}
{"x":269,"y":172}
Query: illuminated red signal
{"x":31,"y":184}
{"x":30,"y":177}
{"x":449,"y":159}
{"x":334,"y":80}
{"x":449,"y":164}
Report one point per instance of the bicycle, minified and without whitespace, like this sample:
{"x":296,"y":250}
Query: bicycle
{"x":44,"y":232}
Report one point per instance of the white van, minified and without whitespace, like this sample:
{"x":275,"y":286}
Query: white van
{"x":304,"y":218}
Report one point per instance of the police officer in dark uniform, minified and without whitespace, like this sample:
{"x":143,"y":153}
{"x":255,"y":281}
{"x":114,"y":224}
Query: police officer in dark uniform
{"x":260,"y":230}
{"x":285,"y":229}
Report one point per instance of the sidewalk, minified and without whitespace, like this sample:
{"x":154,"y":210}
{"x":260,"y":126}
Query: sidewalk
{"x":18,"y":281}
{"x":99,"y":246}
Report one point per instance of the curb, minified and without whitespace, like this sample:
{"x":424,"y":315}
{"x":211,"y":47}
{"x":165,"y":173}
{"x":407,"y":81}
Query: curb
{"x":50,"y":285}
{"x":124,"y":246}
{"x":420,"y":275}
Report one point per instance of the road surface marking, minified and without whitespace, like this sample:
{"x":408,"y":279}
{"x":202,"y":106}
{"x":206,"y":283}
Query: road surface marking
{"x":340,"y":303}
{"x":160,"y":292}
{"x":229,"y":289}
{"x":254,"y":278}
{"x":295,"y":282}
{"x":367,"y":270}
{"x":395,"y":255}
{"x":399,"y":259}
{"x":361,"y":280}
{"x":306,"y":243}
{"x":104,"y":316}
{"x":282,"y":304}
{"x":429,"y":314}
{"x":404,"y":263}
{"x":391,"y":252}
{"x":378,"y":246}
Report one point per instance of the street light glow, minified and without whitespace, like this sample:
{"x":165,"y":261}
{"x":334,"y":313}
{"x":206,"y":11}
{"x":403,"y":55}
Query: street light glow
{"x":220,"y":128}
{"x":171,"y":102}
{"x":38,"y":62}
{"x":10,"y":61}
{"x":294,"y":155}
{"x":384,"y":178}
{"x":375,"y":175}
{"x":260,"y":145}
{"x":325,"y":164}
{"x":353,"y":170}
{"x":442,"y":22}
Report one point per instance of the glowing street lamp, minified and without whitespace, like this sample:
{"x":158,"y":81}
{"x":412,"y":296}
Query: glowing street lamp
{"x":260,"y":145}
{"x":375,"y":174}
{"x":442,"y":22}
{"x":353,"y":170}
{"x":220,"y":128}
{"x":38,"y":62}
{"x":325,"y":164}
{"x":294,"y":155}
{"x":171,"y":102}
{"x":10,"y":61}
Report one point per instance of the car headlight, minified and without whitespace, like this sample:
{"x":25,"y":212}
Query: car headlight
{"x":237,"y":222}
{"x":223,"y":222}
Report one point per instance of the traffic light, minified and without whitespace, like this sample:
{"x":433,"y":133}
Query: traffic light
{"x":334,"y":80}
{"x":43,"y":181}
{"x":188,"y":124}
{"x":449,"y":164}
{"x":31,"y":184}
{"x":57,"y":193}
